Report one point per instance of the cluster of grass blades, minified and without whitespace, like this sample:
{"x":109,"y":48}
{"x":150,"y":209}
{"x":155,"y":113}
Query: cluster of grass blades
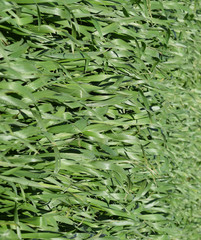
{"x":100,"y":119}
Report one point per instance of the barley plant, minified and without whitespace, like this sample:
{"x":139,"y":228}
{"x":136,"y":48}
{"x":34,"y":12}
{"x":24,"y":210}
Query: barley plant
{"x":100,"y":116}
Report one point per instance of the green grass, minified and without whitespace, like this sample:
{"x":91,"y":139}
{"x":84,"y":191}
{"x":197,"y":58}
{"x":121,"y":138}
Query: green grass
{"x":100,"y":119}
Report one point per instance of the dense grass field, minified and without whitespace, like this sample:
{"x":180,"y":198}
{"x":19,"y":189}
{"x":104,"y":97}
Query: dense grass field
{"x":100,"y":119}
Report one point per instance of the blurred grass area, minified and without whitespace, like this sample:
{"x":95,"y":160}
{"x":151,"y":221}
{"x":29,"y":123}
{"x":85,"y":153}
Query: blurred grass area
{"x":100,"y":119}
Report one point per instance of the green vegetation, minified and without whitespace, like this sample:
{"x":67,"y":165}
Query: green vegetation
{"x":100,"y":119}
